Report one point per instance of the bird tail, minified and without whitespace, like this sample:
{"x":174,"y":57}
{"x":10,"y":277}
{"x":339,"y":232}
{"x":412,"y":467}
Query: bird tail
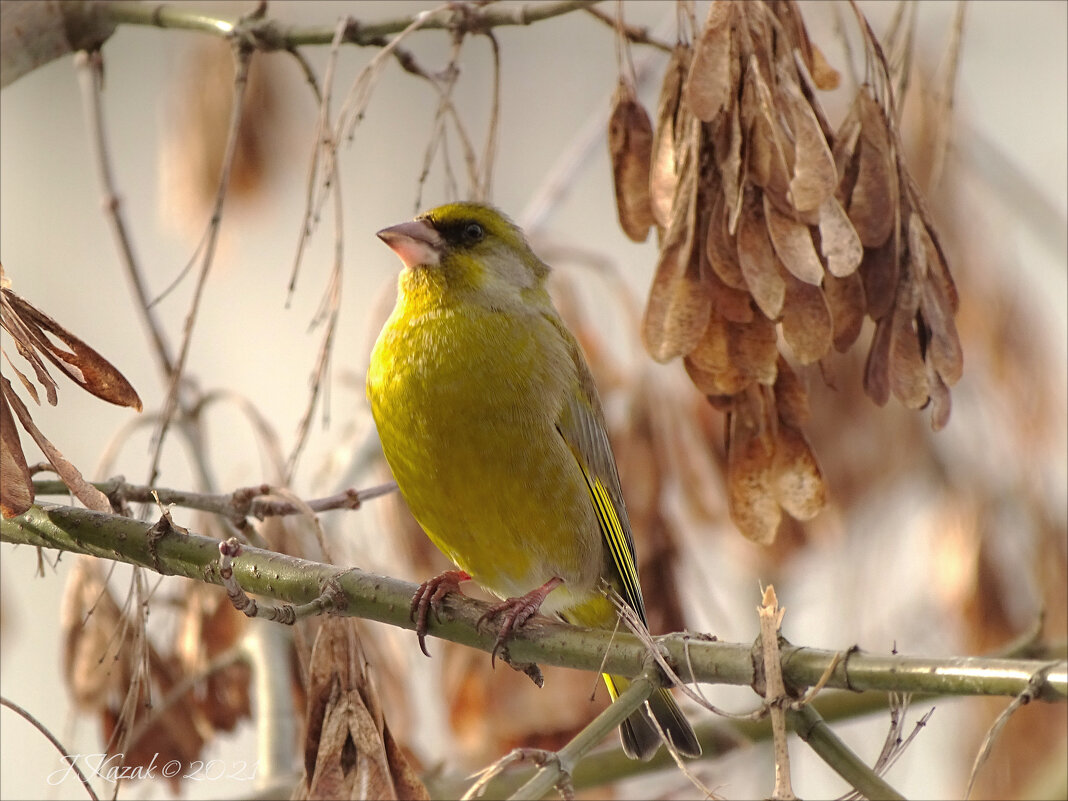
{"x":640,"y":737}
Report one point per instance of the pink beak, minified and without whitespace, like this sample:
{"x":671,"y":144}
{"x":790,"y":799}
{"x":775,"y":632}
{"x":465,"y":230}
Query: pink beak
{"x":416,"y":243}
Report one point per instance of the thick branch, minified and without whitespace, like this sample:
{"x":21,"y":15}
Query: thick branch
{"x":386,"y":600}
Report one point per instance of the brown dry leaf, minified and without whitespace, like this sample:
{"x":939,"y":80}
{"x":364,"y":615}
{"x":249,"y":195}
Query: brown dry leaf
{"x":839,"y":242}
{"x":793,"y":244}
{"x":874,"y":200}
{"x":664,"y":173}
{"x":751,"y":480}
{"x":84,"y":491}
{"x":806,"y":321}
{"x":799,"y":485}
{"x":815,"y":177}
{"x":880,"y":269}
{"x":710,"y":365}
{"x":708,"y":86}
{"x":630,"y":144}
{"x":845,"y":299}
{"x":752,"y":349}
{"x":757,"y":259}
{"x":83,"y":365}
{"x":791,"y":400}
{"x":823,"y":74}
{"x":348,"y":749}
{"x":16,"y":485}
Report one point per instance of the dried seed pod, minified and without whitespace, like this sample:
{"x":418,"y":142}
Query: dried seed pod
{"x":824,"y":76}
{"x":907,"y":372}
{"x":798,"y":480}
{"x":791,"y":400}
{"x":845,"y":299}
{"x":806,"y":321}
{"x":793,"y":244}
{"x":879,"y":269}
{"x":664,"y":173}
{"x":752,"y":348}
{"x":874,"y":200}
{"x":709,"y":363}
{"x":708,"y":85}
{"x":750,"y":480}
{"x":679,"y":304}
{"x":630,"y":144}
{"x":721,"y":251}
{"x":814,"y":177}
{"x":757,"y":259}
{"x":943,"y":350}
{"x":839,"y":242}
{"x":877,"y":366}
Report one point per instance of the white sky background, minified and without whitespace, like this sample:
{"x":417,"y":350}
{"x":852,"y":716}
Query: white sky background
{"x":58,"y":253}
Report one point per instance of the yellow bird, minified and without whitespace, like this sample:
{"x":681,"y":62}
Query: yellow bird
{"x":492,"y":426}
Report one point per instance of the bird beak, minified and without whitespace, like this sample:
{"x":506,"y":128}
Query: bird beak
{"x":416,"y":243}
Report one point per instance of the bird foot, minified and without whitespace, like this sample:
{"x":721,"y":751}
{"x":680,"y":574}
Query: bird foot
{"x":430,"y":595}
{"x":516,"y":612}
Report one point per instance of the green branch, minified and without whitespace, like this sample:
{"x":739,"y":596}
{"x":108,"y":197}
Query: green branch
{"x":366,"y":595}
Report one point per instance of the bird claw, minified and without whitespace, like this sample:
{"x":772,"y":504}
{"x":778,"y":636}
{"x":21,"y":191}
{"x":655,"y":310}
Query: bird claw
{"x":430,"y":595}
{"x":516,"y":612}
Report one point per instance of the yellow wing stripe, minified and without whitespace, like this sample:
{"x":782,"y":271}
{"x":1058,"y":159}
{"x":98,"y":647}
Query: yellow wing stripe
{"x":614,"y":537}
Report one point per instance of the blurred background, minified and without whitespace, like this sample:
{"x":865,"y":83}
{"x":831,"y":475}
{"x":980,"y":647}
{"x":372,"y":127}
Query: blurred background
{"x":933,"y":544}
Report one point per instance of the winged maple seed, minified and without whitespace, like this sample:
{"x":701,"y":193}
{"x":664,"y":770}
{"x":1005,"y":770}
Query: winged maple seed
{"x":35,"y":335}
{"x":778,"y":235}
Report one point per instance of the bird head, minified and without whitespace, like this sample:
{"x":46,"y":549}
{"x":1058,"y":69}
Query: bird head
{"x":467,"y":246}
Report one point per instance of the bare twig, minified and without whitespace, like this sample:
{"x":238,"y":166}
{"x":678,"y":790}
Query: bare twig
{"x":90,"y":76}
{"x":775,"y":691}
{"x":71,"y":759}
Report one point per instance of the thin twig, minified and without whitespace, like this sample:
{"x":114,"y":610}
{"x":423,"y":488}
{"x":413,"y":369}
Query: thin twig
{"x":90,"y":76}
{"x":71,"y":759}
{"x":771,"y":614}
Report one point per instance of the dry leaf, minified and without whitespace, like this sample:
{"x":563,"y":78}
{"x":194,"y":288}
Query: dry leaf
{"x":708,"y":86}
{"x":806,"y":321}
{"x":839,"y":242}
{"x":630,"y":144}
{"x":793,"y":244}
{"x":758,"y":261}
{"x":729,"y":161}
{"x":799,"y":485}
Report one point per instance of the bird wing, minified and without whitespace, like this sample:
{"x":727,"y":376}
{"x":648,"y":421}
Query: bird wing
{"x":581,"y":424}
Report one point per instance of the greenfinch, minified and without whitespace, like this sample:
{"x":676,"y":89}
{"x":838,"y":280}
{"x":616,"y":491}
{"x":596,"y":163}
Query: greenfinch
{"x":493,"y":429}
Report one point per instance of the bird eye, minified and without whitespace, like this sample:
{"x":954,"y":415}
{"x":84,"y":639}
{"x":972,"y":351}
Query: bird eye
{"x":473,"y":232}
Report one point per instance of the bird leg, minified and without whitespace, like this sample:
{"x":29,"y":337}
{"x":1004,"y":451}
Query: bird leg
{"x":429,"y":596}
{"x":516,"y":612}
